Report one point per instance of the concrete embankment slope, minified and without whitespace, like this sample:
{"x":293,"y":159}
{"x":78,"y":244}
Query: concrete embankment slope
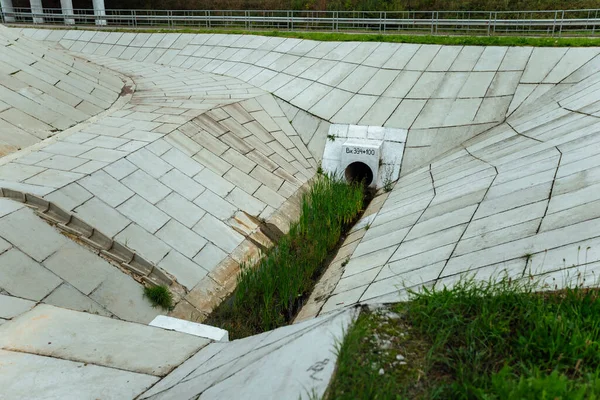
{"x":442,"y":94}
{"x":43,"y":91}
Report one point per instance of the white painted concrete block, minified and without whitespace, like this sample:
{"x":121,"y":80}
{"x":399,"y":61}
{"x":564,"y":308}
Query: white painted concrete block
{"x":191,"y":328}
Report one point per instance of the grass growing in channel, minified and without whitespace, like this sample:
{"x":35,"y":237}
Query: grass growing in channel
{"x":476,"y":341}
{"x":269,"y":293}
{"x":159,"y":296}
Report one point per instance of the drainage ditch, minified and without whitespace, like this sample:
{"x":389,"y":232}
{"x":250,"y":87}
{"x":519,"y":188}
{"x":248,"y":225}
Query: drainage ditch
{"x":271,"y":292}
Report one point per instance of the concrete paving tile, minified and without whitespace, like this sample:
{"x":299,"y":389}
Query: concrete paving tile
{"x":60,"y":335}
{"x":405,"y":114}
{"x":150,"y":163}
{"x":120,"y":169}
{"x":181,"y":238}
{"x":31,"y":234}
{"x":331,"y":103}
{"x":490,"y":59}
{"x":211,"y":162}
{"x":55,"y":377}
{"x":216,"y":183}
{"x":106,"y":188}
{"x":359,"y":52}
{"x":312,"y":94}
{"x":13,"y":306}
{"x":54,"y":178}
{"x":218,"y":233}
{"x":354,"y":109}
{"x":476,"y":84}
{"x":467,"y":58}
{"x":182,"y":184}
{"x":426,"y":85}
{"x":66,"y":296}
{"x":210,"y":256}
{"x":146,"y":186}
{"x":23,"y":277}
{"x":537,"y":69}
{"x":242,"y":180}
{"x":106,"y":155}
{"x":516,"y":59}
{"x":269,"y":196}
{"x":182,"y":162}
{"x":444,"y":59}
{"x":78,"y":266}
{"x":60,"y":162}
{"x":187,"y":272}
{"x":238,"y":160}
{"x":19,"y":172}
{"x":181,"y":209}
{"x":215,"y":205}
{"x":403,"y":54}
{"x":102,"y":217}
{"x":144,"y":243}
{"x":143,"y":213}
{"x":245,"y":202}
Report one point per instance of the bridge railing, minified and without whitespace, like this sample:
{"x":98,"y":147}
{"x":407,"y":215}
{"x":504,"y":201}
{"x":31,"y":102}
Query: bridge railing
{"x":522,"y":23}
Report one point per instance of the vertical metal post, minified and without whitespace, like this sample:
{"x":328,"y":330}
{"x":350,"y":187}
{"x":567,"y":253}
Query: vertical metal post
{"x":489,"y":24}
{"x":208,"y":24}
{"x":6,"y":7}
{"x":134,"y":15}
{"x":432,"y":18}
{"x":562,"y":18}
{"x":554,"y":23}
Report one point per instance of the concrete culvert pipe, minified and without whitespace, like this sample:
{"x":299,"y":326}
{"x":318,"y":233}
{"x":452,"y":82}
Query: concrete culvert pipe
{"x":359,"y":172}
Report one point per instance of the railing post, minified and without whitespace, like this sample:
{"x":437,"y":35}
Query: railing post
{"x":554,"y":23}
{"x":134,"y":18}
{"x":562,"y":18}
{"x":208,"y":24}
{"x":432,"y":17}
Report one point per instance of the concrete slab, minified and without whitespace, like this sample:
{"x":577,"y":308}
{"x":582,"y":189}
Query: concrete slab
{"x":30,"y":375}
{"x":60,"y":333}
{"x":23,"y":277}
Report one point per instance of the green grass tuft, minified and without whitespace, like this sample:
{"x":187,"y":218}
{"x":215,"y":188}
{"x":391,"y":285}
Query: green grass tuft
{"x":269,"y":294}
{"x":501,"y":340}
{"x":159,"y":296}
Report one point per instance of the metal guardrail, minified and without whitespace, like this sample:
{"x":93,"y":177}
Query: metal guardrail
{"x":535,"y":23}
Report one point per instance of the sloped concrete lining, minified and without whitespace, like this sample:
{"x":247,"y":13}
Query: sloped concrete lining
{"x":83,"y":337}
{"x":183,"y":177}
{"x":442,"y":95}
{"x":25,"y":375}
{"x":44,"y":91}
{"x":518,"y":200}
{"x":39,"y":264}
{"x":272,"y":365}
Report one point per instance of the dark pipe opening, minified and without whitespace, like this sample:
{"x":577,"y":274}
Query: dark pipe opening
{"x":359,"y":172}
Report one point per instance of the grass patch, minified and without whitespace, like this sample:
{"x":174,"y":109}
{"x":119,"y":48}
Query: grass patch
{"x":499,"y":340}
{"x":454,"y":40}
{"x":159,"y":296}
{"x":269,"y":294}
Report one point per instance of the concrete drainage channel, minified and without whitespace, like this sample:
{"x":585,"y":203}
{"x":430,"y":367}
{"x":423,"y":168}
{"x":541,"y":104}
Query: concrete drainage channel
{"x":126,"y":258}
